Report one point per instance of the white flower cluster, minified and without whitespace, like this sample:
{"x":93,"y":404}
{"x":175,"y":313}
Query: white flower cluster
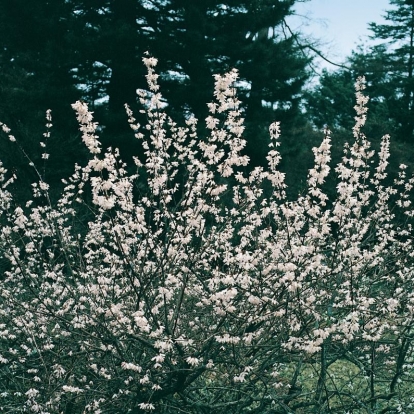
{"x":87,"y":127}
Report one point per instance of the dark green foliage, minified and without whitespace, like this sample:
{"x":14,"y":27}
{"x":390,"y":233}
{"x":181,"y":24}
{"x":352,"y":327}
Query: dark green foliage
{"x":36,"y":60}
{"x":57,"y":52}
{"x":393,"y":64}
{"x":331,"y":102}
{"x":388,"y":68}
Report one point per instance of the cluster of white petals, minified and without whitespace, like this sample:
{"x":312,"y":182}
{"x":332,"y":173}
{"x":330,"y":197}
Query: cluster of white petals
{"x":87,"y":127}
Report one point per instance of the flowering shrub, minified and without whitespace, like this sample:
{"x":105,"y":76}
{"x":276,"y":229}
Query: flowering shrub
{"x":186,"y":284}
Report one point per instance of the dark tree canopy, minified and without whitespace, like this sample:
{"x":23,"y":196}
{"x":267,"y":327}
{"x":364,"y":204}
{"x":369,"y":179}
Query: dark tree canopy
{"x":56,"y":52}
{"x":389,"y":69}
{"x":331,"y":101}
{"x":394,"y":60}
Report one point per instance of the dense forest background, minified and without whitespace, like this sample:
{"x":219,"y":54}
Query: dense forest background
{"x":55,"y":52}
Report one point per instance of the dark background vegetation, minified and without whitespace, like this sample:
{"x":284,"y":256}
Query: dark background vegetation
{"x":55,"y":52}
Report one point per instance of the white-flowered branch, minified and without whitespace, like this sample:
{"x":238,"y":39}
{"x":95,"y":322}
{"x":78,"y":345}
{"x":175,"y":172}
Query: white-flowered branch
{"x":185,"y":284}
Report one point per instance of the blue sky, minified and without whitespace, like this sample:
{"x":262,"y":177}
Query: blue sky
{"x":339,"y":24}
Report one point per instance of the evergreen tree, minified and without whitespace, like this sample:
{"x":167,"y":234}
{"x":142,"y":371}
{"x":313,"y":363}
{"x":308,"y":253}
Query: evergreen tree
{"x":331,"y":101}
{"x":36,"y":61}
{"x":389,"y":70}
{"x":37,"y":45}
{"x":90,"y":49}
{"x":397,"y":58}
{"x":110,"y":69}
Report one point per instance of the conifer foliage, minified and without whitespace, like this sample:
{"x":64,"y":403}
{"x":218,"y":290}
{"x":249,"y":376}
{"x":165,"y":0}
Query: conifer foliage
{"x":389,"y":68}
{"x":191,"y":285}
{"x":398,"y":64}
{"x":54,"y":53}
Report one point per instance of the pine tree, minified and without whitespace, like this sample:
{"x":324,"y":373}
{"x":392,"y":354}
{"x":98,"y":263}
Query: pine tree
{"x":36,"y":61}
{"x":398,"y":62}
{"x":37,"y":47}
{"x":92,"y":50}
{"x":331,"y":101}
{"x":389,"y":69}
